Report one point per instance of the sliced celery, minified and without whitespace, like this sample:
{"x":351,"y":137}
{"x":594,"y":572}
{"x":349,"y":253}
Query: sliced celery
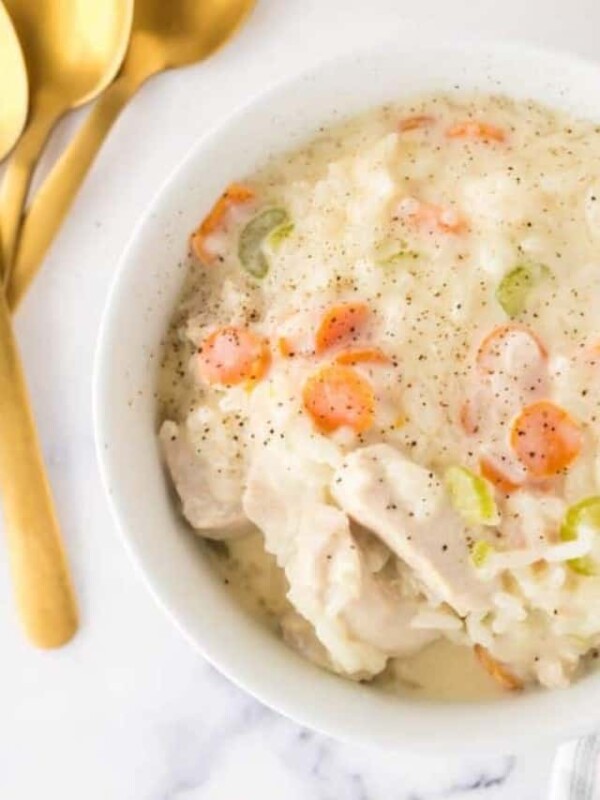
{"x":471,"y":496}
{"x":480,"y":553}
{"x":392,"y":252}
{"x":397,"y":258}
{"x":514,"y":288}
{"x":252,"y":237}
{"x":586,"y":513}
{"x":279,"y":234}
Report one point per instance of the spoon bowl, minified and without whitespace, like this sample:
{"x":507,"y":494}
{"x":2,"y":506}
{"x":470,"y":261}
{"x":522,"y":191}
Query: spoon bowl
{"x":15,"y":97}
{"x":185,"y":31}
{"x":164,"y":35}
{"x":73,"y":49}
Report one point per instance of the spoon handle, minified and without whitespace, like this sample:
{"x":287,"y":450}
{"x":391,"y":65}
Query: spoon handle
{"x":17,"y":178}
{"x":43,"y":590}
{"x":58,"y":191}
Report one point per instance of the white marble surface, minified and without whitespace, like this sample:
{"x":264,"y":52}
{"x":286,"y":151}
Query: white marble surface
{"x":129,"y":711}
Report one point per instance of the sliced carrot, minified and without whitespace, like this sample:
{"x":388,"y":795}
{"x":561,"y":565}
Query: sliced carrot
{"x":231,"y":355}
{"x":367,"y":355}
{"x":449,"y":221}
{"x":415,"y":122}
{"x":431,"y":216}
{"x":286,"y":348}
{"x":591,"y":354}
{"x":490,"y":349}
{"x":496,"y":477}
{"x":545,"y":438}
{"x":337,"y":396}
{"x":340,"y":323}
{"x":471,"y":129}
{"x":498,"y":671}
{"x":468,"y":418}
{"x":235,"y":194}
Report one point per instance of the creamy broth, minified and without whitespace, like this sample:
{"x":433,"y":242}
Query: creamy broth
{"x":252,"y":575}
{"x":442,"y":671}
{"x":387,"y":358}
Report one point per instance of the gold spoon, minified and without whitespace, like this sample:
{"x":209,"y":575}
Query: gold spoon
{"x":43,"y":590}
{"x":73,"y":49}
{"x":41,"y":579}
{"x":15,"y":89}
{"x":165,"y":35}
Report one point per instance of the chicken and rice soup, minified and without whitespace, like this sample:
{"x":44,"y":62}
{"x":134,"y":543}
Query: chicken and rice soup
{"x":380,"y":394}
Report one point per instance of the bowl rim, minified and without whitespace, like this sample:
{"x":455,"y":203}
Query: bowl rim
{"x":547,"y":730}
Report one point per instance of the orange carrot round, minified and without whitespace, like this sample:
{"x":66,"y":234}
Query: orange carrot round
{"x":286,"y":348}
{"x":415,"y":122}
{"x":545,"y":438}
{"x":340,"y":323}
{"x":591,"y":354}
{"x":483,"y":131}
{"x":231,"y":355}
{"x":432,"y":217}
{"x":337,"y":396}
{"x":366,"y":355}
{"x":490,"y":349}
{"x":499,"y":672}
{"x":235,"y":194}
{"x":468,"y":418}
{"x":491,"y":472}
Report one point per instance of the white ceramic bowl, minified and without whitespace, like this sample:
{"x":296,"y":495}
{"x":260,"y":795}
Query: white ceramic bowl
{"x":142,"y":299}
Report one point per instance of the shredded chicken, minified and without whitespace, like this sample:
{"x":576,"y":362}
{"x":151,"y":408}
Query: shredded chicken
{"x":359,"y":621}
{"x":211,"y":503}
{"x":407,"y":507}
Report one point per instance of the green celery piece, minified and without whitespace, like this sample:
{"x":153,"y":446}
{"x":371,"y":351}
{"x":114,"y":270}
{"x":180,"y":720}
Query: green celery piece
{"x":515,"y":286}
{"x":471,"y":496}
{"x":279,"y":234}
{"x":480,"y":553}
{"x":397,"y":258}
{"x":586,"y":512}
{"x":391,"y":252}
{"x":252,"y":237}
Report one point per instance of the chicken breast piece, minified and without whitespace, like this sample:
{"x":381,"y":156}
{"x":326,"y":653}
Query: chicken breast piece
{"x":406,"y":506}
{"x":210,"y":496}
{"x":360,"y":623}
{"x":383,"y":615}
